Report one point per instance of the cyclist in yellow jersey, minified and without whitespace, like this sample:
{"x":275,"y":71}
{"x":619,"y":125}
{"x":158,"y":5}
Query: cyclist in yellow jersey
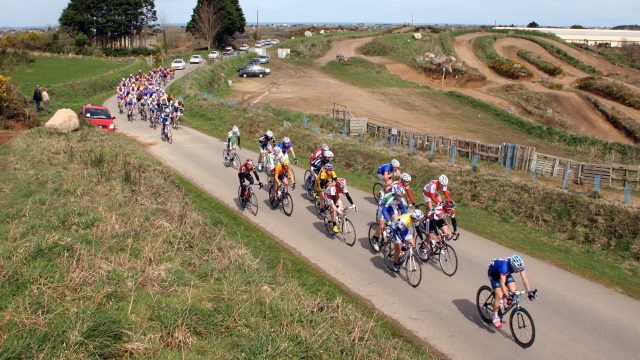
{"x":401,"y":230}
{"x":326,"y":176}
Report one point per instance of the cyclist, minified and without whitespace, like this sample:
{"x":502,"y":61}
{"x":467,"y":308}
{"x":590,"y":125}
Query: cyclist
{"x":387,"y":171}
{"x":264,"y":141}
{"x":165,"y":120}
{"x":390,"y":207}
{"x":332,"y":198}
{"x":287,"y":147}
{"x":233,"y":139}
{"x":318,"y":163}
{"x":271,"y":160}
{"x":131,"y":102}
{"x":436,"y":220}
{"x":502,"y":283}
{"x":317,"y":153}
{"x":405,"y":182}
{"x":244,"y":173}
{"x":327,"y":176}
{"x":283,"y":173}
{"x":430,"y":191}
{"x":401,"y":229}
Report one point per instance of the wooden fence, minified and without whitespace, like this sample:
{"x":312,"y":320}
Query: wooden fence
{"x":515,"y":156}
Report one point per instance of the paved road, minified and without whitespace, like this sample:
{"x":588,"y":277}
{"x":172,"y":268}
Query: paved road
{"x":575,"y":318}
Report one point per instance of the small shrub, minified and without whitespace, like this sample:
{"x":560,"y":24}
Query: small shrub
{"x":535,"y":60}
{"x":484,"y":48}
{"x":611,"y":90}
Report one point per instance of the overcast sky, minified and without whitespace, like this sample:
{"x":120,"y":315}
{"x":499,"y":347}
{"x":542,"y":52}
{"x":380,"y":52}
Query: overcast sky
{"x":519,"y":12}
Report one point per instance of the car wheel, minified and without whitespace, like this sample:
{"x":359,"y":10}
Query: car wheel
{"x":260,"y":75}
{"x":244,"y":75}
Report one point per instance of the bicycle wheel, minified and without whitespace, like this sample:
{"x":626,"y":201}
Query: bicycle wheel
{"x":484,"y":303}
{"x":522,"y":327}
{"x":348,"y":232}
{"x":236,"y":161}
{"x":225,"y":153}
{"x":423,"y":249}
{"x":387,"y":254}
{"x":448,"y":260}
{"x":169,"y":136}
{"x":253,"y":204}
{"x":273,"y":201}
{"x":413,"y":270}
{"x":316,"y":205}
{"x":327,"y":223}
{"x":306,"y":176}
{"x":377,"y":187}
{"x":372,"y":232}
{"x":287,"y":204}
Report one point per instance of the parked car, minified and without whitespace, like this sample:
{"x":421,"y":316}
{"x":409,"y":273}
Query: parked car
{"x":254,"y":61}
{"x":98,"y":116}
{"x":264,"y":59}
{"x":253,"y":70}
{"x":228,"y":51}
{"x":244,"y":47}
{"x":275,"y":41}
{"x":195,"y":59}
{"x":214,"y":55}
{"x":258,"y":45}
{"x":178,"y":64}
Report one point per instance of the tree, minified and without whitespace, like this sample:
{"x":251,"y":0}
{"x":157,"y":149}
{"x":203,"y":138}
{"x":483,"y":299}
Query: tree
{"x":206,"y":22}
{"x":232,"y":20}
{"x":533,"y":24}
{"x":577,"y":26}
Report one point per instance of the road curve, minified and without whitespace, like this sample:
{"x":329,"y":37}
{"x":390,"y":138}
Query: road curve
{"x":575,"y":318}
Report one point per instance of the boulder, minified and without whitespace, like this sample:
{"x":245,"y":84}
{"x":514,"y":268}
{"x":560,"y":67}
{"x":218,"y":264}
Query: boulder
{"x":308,"y":33}
{"x":63,"y":121}
{"x":417,"y":36}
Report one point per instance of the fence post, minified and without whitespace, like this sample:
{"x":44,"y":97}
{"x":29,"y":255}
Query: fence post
{"x":432,"y":151}
{"x":474,"y":162}
{"x":627,"y":194}
{"x":565,"y":178}
{"x":411,"y":146}
{"x":305,"y":121}
{"x":345,"y":131}
{"x":454,"y":154}
{"x":507,"y":163}
{"x":394,"y":139}
{"x":596,"y":184}
{"x":534,"y":170}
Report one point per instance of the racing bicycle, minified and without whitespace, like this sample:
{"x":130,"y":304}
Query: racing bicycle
{"x":521,"y":323}
{"x":249,"y":200}
{"x":281,"y":198}
{"x":410,"y":263}
{"x":347,"y":231}
{"x":230,"y":157}
{"x":166,"y":134}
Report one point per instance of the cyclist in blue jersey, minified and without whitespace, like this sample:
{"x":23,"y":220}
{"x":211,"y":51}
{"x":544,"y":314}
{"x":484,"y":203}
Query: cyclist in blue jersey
{"x":387,"y":171}
{"x":502,"y":283}
{"x":287,"y":148}
{"x":390,"y":207}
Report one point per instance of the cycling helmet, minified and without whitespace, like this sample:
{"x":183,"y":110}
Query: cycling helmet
{"x":284,"y":161}
{"x":286,"y":140}
{"x":417,"y":215}
{"x":328,"y":154}
{"x":269,"y":133}
{"x":406,"y":177}
{"x":249,"y":163}
{"x":398,"y":190}
{"x":341,"y":183}
{"x":325,"y":147}
{"x":329,"y":167}
{"x":277,"y":151}
{"x":516,"y":263}
{"x":395,"y":163}
{"x":234,"y":130}
{"x":444,"y":180}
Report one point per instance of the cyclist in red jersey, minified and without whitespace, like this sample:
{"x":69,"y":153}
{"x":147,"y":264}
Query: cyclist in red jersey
{"x":430,"y":191}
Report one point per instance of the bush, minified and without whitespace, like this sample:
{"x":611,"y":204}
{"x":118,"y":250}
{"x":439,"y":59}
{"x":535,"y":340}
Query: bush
{"x":483,"y":47}
{"x":13,"y":106}
{"x":544,"y":66}
{"x":561,"y":54}
{"x":610,"y":90}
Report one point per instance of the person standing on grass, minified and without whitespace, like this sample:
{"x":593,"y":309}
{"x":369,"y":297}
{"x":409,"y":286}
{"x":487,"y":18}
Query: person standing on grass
{"x":37,"y":97}
{"x":45,"y":99}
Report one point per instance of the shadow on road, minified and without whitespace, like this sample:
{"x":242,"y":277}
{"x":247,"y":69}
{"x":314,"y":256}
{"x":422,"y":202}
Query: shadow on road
{"x":371,"y":199}
{"x":470,"y":312}
{"x":319,"y":225}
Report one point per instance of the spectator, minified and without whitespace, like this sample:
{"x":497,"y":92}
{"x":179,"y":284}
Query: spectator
{"x":37,"y":97}
{"x":45,"y":99}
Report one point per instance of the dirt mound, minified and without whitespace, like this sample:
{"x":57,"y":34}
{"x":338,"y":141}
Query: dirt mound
{"x":348,"y":48}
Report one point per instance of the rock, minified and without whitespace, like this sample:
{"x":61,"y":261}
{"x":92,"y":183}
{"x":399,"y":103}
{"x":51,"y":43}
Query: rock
{"x":417,"y":36}
{"x":63,"y":121}
{"x":322,"y":32}
{"x":308,"y":33}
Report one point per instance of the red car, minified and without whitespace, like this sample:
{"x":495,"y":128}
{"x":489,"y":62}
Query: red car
{"x":99,"y":116}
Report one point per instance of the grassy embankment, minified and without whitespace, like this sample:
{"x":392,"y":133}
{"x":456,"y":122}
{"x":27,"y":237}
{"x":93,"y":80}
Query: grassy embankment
{"x":484,"y":49}
{"x":306,"y":49}
{"x":106,"y":254}
{"x":610,"y":90}
{"x":542,"y":65}
{"x":366,"y":74}
{"x":550,"y":224}
{"x":73,"y":82}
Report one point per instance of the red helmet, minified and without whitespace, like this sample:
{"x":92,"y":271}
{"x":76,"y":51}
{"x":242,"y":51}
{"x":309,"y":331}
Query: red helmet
{"x":249,"y":164}
{"x":341,"y":183}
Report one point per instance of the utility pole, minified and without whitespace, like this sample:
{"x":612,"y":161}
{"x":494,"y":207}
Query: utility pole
{"x":412,"y":19}
{"x":257,"y":24}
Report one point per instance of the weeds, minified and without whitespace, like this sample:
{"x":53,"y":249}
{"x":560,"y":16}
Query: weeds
{"x":543,"y":65}
{"x":484,"y":48}
{"x":610,"y":90}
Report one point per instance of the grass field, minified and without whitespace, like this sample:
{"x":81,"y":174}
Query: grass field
{"x":364,"y":73}
{"x":215,"y":117}
{"x":105,"y":254}
{"x":73,"y":82}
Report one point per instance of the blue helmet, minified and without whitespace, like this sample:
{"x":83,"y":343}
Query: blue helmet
{"x":516,"y":263}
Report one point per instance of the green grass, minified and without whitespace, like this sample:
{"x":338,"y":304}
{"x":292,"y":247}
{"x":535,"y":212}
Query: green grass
{"x":562,"y":55}
{"x":485,"y":50}
{"x":73,"y":82}
{"x":106,"y":254}
{"x":572,"y":242}
{"x":543,"y":65}
{"x":364,"y":73}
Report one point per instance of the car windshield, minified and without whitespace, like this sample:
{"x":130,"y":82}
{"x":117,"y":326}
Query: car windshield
{"x":177,"y":61}
{"x":97,"y":113}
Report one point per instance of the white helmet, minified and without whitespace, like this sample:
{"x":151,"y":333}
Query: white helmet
{"x":269,"y":133}
{"x":444,"y":180}
{"x":405,"y":177}
{"x":328,"y":154}
{"x":417,"y":215}
{"x":277,"y":151}
{"x":395,"y":163}
{"x":325,"y":147}
{"x":235,"y":130}
{"x":516,"y":263}
{"x":286,"y":140}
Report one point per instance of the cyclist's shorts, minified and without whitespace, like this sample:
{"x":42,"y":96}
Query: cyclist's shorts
{"x":403,"y":235}
{"x":436,"y":224}
{"x":329,"y":201}
{"x":386,"y":212}
{"x":495,"y":282}
{"x":129,"y":103}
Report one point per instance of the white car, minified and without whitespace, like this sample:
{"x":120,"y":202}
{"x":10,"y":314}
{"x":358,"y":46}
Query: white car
{"x":244,"y":47}
{"x":214,"y":55}
{"x":195,"y":59}
{"x":178,"y":64}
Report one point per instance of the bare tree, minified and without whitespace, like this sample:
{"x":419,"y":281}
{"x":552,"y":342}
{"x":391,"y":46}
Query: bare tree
{"x":207,"y":23}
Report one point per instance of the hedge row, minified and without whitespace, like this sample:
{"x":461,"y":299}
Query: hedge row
{"x":484,"y":48}
{"x":543,"y":65}
{"x":610,"y":90}
{"x":562,"y":55}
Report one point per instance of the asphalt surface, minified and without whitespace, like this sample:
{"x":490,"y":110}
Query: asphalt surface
{"x":574,"y":318}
